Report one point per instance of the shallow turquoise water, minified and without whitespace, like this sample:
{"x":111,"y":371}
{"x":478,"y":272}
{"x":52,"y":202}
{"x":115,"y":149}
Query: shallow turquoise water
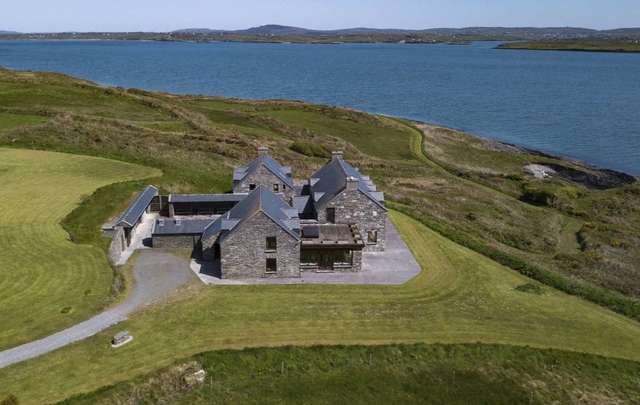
{"x":582,"y":105}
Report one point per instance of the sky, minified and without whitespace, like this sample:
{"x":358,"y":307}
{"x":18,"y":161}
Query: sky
{"x":159,"y":15}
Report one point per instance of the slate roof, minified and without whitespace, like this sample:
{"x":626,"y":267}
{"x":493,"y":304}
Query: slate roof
{"x":175,"y":226}
{"x":205,"y":198}
{"x":331,"y":179}
{"x":282,"y":172}
{"x":260,"y":199}
{"x":133,"y":213}
{"x":303,"y":204}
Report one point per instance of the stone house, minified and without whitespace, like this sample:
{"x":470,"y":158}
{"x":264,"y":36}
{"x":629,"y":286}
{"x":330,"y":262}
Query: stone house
{"x":338,"y":194}
{"x":268,"y":228}
{"x":259,"y":237}
{"x":266,"y":172}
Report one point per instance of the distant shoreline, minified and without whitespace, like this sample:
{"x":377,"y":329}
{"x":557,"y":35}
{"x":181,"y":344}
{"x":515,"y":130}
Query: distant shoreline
{"x":574,"y":46}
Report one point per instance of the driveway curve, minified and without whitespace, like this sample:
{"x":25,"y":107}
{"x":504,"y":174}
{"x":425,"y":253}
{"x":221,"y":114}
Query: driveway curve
{"x":156,"y":276}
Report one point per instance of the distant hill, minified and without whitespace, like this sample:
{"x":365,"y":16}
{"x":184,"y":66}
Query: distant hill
{"x":530,"y":33}
{"x":284,"y":33}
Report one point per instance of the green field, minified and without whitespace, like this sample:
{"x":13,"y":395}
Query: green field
{"x":418,"y":373}
{"x":48,"y":282}
{"x":460,"y":297}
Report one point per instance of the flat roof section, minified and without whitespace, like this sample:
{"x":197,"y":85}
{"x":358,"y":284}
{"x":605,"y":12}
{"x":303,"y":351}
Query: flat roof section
{"x":205,"y":198}
{"x":180,"y":226}
{"x":331,"y":236}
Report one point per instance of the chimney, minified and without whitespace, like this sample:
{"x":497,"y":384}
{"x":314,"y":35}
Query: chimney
{"x":352,"y":183}
{"x":263,"y":151}
{"x":336,"y":155}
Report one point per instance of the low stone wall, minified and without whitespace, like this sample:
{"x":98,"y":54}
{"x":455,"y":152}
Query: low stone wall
{"x":117,"y":246}
{"x":175,"y":241}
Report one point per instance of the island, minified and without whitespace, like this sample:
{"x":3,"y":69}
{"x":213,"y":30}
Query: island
{"x":578,"y":45}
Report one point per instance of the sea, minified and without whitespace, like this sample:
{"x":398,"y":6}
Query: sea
{"x":580,"y":105}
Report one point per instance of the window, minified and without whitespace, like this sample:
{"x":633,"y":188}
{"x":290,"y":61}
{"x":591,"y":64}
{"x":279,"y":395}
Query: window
{"x":284,"y":187}
{"x":272,"y":243}
{"x":331,"y":215}
{"x":272,"y":266}
{"x":372,"y":237}
{"x":276,"y":188}
{"x":326,"y":258}
{"x":252,"y":187}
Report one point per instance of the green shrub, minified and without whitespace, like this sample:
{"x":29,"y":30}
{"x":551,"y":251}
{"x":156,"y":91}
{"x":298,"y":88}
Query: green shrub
{"x":310,"y":149}
{"x":530,"y":288}
{"x":10,"y":400}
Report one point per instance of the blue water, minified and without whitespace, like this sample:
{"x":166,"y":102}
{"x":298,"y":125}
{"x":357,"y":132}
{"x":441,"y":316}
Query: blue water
{"x":582,"y":105}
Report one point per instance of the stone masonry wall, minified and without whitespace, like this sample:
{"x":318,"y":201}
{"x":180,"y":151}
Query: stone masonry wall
{"x":353,"y":207}
{"x":263,"y":177}
{"x":117,"y":246}
{"x":175,"y":241}
{"x":244,"y":254}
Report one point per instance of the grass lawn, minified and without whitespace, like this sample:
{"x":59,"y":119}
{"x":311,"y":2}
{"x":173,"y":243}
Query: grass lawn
{"x":460,"y":297}
{"x":48,"y":282}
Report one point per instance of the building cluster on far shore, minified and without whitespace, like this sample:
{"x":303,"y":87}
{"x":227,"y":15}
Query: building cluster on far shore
{"x":271,"y":225}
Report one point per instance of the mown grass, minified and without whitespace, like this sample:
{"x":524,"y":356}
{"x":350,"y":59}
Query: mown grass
{"x":437,"y":374}
{"x":48,"y":282}
{"x":460,"y":297}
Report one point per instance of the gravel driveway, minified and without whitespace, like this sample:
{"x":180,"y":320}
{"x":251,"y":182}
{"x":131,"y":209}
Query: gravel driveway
{"x":156,"y":275}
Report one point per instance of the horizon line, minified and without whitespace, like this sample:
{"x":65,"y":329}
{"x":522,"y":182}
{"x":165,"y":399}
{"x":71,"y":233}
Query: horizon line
{"x":363,"y":27}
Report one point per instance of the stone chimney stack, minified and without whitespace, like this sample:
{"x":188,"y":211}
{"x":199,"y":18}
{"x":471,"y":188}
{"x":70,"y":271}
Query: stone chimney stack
{"x":336,"y":155}
{"x":352,"y":183}
{"x":263,"y":151}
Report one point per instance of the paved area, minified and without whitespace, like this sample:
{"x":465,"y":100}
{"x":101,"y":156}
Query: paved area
{"x":156,"y":275}
{"x":396,"y":265}
{"x":141,"y":238}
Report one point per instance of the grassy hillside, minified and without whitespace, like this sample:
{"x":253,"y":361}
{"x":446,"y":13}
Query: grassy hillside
{"x":48,"y":282}
{"x":587,"y":45}
{"x":454,"y":374}
{"x":460,"y":297}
